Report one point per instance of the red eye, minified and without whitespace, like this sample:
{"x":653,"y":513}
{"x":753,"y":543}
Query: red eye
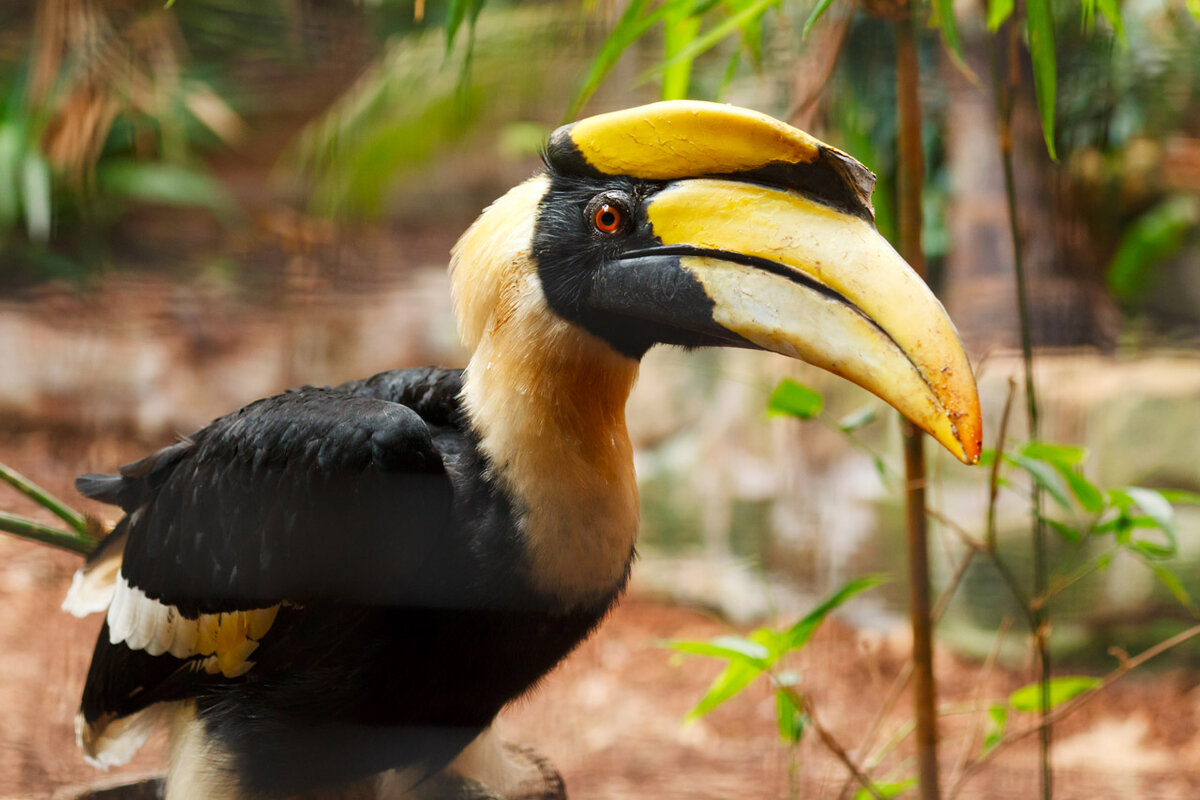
{"x":608,"y":218}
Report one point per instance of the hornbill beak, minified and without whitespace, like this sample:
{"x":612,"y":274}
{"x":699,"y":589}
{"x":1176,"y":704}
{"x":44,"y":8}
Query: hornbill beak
{"x":759,"y":235}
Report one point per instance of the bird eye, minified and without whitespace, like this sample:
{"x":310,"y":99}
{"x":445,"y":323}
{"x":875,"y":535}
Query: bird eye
{"x":608,"y":218}
{"x":608,"y":213}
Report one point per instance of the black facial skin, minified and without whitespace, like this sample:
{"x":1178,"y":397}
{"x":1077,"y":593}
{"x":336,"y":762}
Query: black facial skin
{"x":572,"y":254}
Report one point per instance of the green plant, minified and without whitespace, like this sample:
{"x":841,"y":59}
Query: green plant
{"x":1095,"y":525}
{"x":764,"y":654}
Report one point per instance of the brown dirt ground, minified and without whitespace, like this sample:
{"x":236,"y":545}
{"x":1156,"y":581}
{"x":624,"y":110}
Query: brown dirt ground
{"x":610,"y":716}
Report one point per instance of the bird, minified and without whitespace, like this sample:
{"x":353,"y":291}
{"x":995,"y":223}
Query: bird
{"x":337,"y":589}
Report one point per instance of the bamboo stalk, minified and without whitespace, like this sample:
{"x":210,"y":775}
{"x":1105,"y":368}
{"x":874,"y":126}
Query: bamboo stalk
{"x":29,"y":529}
{"x":44,"y":499}
{"x":1006,"y":80}
{"x":911,"y":174}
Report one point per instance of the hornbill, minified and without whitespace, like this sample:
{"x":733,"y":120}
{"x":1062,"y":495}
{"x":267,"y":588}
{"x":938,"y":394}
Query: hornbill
{"x":345,"y":585}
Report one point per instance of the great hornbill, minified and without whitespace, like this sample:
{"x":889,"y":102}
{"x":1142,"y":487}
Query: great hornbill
{"x":335,"y":583}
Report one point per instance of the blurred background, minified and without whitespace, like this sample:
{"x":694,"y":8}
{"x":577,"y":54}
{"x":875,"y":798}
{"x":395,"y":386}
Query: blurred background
{"x":205,"y":202}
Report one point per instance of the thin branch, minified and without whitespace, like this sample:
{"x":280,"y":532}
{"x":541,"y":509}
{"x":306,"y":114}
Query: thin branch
{"x":827,"y":739}
{"x":989,"y":537}
{"x":902,"y":679}
{"x":977,"y":729}
{"x":1010,"y":579}
{"x":1056,"y":715}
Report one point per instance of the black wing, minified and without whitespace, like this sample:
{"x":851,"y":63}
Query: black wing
{"x":317,"y":495}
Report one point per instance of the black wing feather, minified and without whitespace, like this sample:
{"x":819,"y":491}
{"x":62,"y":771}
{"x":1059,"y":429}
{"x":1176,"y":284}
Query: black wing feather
{"x":313,"y":493}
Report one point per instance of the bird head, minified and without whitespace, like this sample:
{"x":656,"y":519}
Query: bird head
{"x":700,"y":224}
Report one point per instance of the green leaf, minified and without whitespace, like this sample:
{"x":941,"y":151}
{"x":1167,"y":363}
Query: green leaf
{"x":944,"y":11}
{"x":1086,"y":492}
{"x":1064,"y":458}
{"x":819,"y":11}
{"x":795,"y":400}
{"x":1087,"y":12}
{"x":629,"y":28}
{"x":998,"y":13}
{"x":1045,"y":475}
{"x":1193,"y":7}
{"x":1180,"y":496}
{"x":1062,"y":689}
{"x":881,"y":789}
{"x":679,"y":30}
{"x":35,"y":195}
{"x":1170,"y":580}
{"x":730,"y":647}
{"x":751,"y":31}
{"x":1067,"y":532}
{"x":732,"y":680}
{"x":1152,"y":238}
{"x":1153,"y":550}
{"x":1060,"y":453}
{"x":789,"y":719}
{"x":11,"y":149}
{"x":997,"y":723}
{"x":1111,"y":10}
{"x":1155,"y":506}
{"x":1039,"y":24}
{"x":716,"y":34}
{"x":799,"y":634}
{"x":168,"y":184}
{"x":458,"y":11}
{"x":857,"y":419}
{"x":987,"y":457}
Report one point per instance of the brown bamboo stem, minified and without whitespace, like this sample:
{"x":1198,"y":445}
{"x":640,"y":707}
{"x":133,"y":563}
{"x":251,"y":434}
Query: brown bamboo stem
{"x":911,"y":174}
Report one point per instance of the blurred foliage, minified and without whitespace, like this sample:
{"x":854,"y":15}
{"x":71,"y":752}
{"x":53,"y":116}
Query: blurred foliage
{"x":413,"y":103}
{"x":97,"y":115}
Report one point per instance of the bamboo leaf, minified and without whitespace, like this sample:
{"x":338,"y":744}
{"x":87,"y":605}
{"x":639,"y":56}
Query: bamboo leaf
{"x":1170,"y":580}
{"x":1060,"y":453}
{"x":1111,"y":10}
{"x":730,"y":647}
{"x":1067,"y":532}
{"x":998,"y":13}
{"x":629,"y":28}
{"x":944,"y":11}
{"x":857,"y":419}
{"x":732,"y":680}
{"x":35,"y":195}
{"x":457,"y":12}
{"x":679,"y":30}
{"x":1155,"y":506}
{"x":1062,"y":689}
{"x":794,"y":399}
{"x":1180,"y":496}
{"x":790,"y":720}
{"x":997,"y":723}
{"x":1153,"y":237}
{"x":819,"y":11}
{"x":1046,"y":476}
{"x":715,"y":35}
{"x":168,"y":184}
{"x":886,"y":790}
{"x":1039,"y":24}
{"x":800,"y":633}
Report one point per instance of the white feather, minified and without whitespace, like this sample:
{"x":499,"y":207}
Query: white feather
{"x":118,"y":618}
{"x":112,"y":743}
{"x":164,"y":630}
